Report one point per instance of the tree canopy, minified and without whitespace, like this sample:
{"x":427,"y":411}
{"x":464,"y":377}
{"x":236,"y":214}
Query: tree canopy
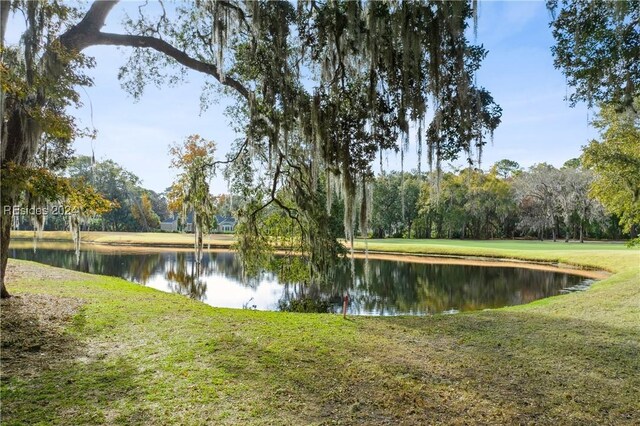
{"x":616,"y":161}
{"x":194,"y":159}
{"x":598,"y":49}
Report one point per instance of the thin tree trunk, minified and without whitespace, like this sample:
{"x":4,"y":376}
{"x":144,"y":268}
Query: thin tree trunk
{"x":428,"y":227}
{"x":6,"y":220}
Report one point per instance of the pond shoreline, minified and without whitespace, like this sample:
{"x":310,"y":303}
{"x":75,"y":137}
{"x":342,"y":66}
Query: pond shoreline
{"x":412,"y":257}
{"x":452,"y":259}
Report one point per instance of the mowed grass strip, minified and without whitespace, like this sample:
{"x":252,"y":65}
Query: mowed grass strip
{"x":151,"y":239}
{"x":133,"y":355}
{"x":609,"y":256}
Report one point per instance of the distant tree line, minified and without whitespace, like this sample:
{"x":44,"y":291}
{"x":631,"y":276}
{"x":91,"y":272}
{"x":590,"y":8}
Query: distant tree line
{"x":506,"y":201}
{"x":135,"y":208}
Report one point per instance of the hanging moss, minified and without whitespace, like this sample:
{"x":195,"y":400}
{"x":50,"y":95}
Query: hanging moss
{"x":375,"y":66}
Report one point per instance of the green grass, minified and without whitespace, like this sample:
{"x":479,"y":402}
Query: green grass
{"x":153,"y":239}
{"x":601,"y":255}
{"x":138,"y":356}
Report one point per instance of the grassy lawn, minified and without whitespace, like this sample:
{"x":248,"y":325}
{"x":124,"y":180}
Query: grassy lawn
{"x":157,"y":239}
{"x":601,"y":255}
{"x":126,"y":354}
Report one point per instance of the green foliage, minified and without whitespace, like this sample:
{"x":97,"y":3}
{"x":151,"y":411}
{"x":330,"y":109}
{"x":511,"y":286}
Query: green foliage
{"x":506,"y":168}
{"x":190,"y":191}
{"x":634,"y":242}
{"x":597,"y":48}
{"x":395,"y":203}
{"x":39,"y":186}
{"x":504,"y":202}
{"x":143,"y":212}
{"x":467,"y":204}
{"x":573,"y":163}
{"x":616,"y":162}
{"x":135,"y":207}
{"x":549,"y":197}
{"x":372,"y":68}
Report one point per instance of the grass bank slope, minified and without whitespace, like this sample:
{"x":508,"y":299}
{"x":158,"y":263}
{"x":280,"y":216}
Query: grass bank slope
{"x":84,"y":349}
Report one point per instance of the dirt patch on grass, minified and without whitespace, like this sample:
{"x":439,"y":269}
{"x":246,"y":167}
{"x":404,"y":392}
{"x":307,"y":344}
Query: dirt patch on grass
{"x":33,"y":337}
{"x":30,"y":271}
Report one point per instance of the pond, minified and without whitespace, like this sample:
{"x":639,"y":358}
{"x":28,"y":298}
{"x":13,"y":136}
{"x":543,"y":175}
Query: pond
{"x":386,"y":286}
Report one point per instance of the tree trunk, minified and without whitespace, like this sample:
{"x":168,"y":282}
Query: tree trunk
{"x":6,"y":219}
{"x":581,"y":231}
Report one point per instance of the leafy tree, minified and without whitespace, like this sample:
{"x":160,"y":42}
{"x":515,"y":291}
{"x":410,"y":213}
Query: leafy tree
{"x":490,"y":204}
{"x":444,"y":205}
{"x":615,"y":159}
{"x":159,"y":204}
{"x":550,"y":198}
{"x":506,"y":168}
{"x":470,"y":203}
{"x":573,"y":163}
{"x":190,"y":191}
{"x":597,"y":48}
{"x":116,"y":184}
{"x":395,"y":196}
{"x":143,"y":212}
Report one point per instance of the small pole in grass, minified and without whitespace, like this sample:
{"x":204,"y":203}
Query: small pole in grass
{"x":345,"y":302}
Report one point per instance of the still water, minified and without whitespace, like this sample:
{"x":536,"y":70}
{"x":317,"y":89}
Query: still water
{"x":380,"y":287}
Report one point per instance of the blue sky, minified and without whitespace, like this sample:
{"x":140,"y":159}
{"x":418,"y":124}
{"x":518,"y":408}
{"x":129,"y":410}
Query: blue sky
{"x":537,"y":124}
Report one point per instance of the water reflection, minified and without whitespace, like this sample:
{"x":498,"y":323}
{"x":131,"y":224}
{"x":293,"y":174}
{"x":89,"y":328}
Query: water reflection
{"x":184,"y":277}
{"x":380,"y":287}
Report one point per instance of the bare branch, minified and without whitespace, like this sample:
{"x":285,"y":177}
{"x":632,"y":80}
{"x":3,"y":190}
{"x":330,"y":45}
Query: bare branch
{"x":87,"y":33}
{"x":177,"y":54}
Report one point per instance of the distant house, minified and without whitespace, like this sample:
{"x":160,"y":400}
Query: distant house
{"x":225,"y":223}
{"x":169,"y":226}
{"x":172,"y":226}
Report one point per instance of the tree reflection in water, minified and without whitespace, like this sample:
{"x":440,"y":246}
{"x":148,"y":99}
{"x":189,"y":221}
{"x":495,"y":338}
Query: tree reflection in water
{"x":183,"y":275}
{"x":380,"y":287}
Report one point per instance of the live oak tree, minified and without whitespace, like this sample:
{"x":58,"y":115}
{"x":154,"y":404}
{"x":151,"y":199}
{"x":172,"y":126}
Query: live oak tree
{"x":598,"y":49}
{"x":322,"y":88}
